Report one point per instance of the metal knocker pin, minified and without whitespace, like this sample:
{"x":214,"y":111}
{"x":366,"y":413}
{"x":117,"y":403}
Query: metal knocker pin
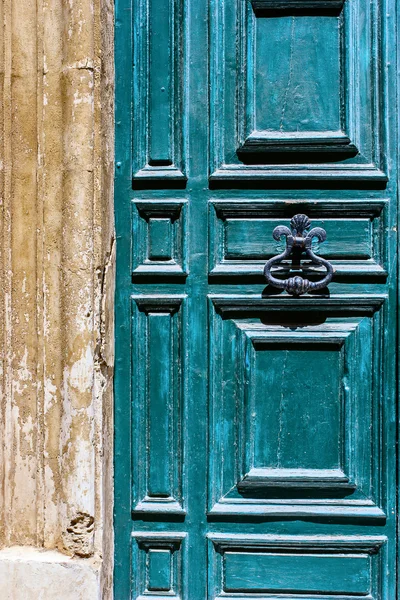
{"x":298,"y":240}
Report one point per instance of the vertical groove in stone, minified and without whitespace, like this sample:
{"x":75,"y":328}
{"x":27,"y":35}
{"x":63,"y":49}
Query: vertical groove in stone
{"x":2,"y":281}
{"x":23,"y":318}
{"x":78,"y":448}
{"x":52,"y":194}
{"x":7,"y":378}
{"x":39,"y":266}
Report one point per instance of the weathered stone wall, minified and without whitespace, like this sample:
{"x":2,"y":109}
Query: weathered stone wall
{"x":56,"y":268}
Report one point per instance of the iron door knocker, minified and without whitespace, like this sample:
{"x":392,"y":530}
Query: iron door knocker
{"x":298,"y":240}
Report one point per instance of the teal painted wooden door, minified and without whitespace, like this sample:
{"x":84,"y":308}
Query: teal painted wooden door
{"x":255,"y":431}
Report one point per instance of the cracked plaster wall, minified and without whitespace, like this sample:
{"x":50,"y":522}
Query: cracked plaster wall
{"x":56,"y":270}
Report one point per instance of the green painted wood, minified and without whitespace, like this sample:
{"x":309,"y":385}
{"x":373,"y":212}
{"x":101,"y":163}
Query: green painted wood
{"x":255,"y":432}
{"x":293,"y":566}
{"x":159,"y":571}
{"x":158,"y":564}
{"x":314,"y":424}
{"x":252,"y":239}
{"x":157,"y":439}
{"x":160,"y":82}
{"x":157,"y":89}
{"x":302,"y":574}
{"x":158,"y":394}
{"x":160,"y":239}
{"x":302,"y":86}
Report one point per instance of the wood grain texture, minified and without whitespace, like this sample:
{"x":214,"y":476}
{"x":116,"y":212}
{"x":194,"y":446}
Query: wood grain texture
{"x":287,"y":406}
{"x":241,"y":235}
{"x":285,"y":566}
{"x":159,"y":562}
{"x":158,"y":327}
{"x":281,"y":123}
{"x":304,"y":425}
{"x":158,"y":101}
{"x":160,"y":241}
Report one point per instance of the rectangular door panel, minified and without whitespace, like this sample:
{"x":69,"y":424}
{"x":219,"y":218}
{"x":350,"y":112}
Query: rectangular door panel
{"x":308,"y":110}
{"x":159,"y":234}
{"x":158,"y":109}
{"x":311,"y":567}
{"x":295,"y":416}
{"x":158,"y":326}
{"x":241,"y":238}
{"x":158,"y":564}
{"x":303,"y":88}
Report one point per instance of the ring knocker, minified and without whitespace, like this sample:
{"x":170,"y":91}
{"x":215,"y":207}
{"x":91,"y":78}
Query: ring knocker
{"x":298,"y":240}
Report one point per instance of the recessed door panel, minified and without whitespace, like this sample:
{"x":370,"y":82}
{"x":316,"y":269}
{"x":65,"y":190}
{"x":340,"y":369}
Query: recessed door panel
{"x":294,"y":412}
{"x":303,"y":81}
{"x":157,"y":325}
{"x":313,"y":567}
{"x":296,"y":415}
{"x":241,"y":239}
{"x":292,"y":94}
{"x":159,"y":85}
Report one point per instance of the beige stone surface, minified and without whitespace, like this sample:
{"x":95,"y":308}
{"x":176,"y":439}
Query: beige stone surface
{"x":28,"y":574}
{"x":56,"y":282}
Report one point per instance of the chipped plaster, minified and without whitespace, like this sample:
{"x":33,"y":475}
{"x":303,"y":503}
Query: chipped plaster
{"x":56,"y":310}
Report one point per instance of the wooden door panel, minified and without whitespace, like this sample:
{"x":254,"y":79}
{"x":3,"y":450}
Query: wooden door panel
{"x":292,"y":567}
{"x":241,"y":235}
{"x":158,"y":561}
{"x":159,"y":87}
{"x":158,"y":383}
{"x":159,"y":238}
{"x":295,"y":97}
{"x":294,"y":412}
{"x":295,"y":82}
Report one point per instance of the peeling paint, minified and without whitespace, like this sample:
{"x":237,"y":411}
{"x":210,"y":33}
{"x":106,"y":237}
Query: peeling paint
{"x":56,"y":167}
{"x":50,"y":391}
{"x":81,"y":373}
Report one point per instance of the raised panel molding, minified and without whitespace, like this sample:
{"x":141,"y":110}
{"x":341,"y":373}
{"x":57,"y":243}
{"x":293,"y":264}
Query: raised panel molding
{"x":328,"y":142}
{"x":159,"y":565}
{"x":158,"y":324}
{"x":258,"y":480}
{"x":158,"y":93}
{"x":259,"y":378}
{"x":244,"y":146}
{"x":241,"y":235}
{"x":357,"y":304}
{"x":326,"y":567}
{"x":159,"y":238}
{"x":296,"y":6}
